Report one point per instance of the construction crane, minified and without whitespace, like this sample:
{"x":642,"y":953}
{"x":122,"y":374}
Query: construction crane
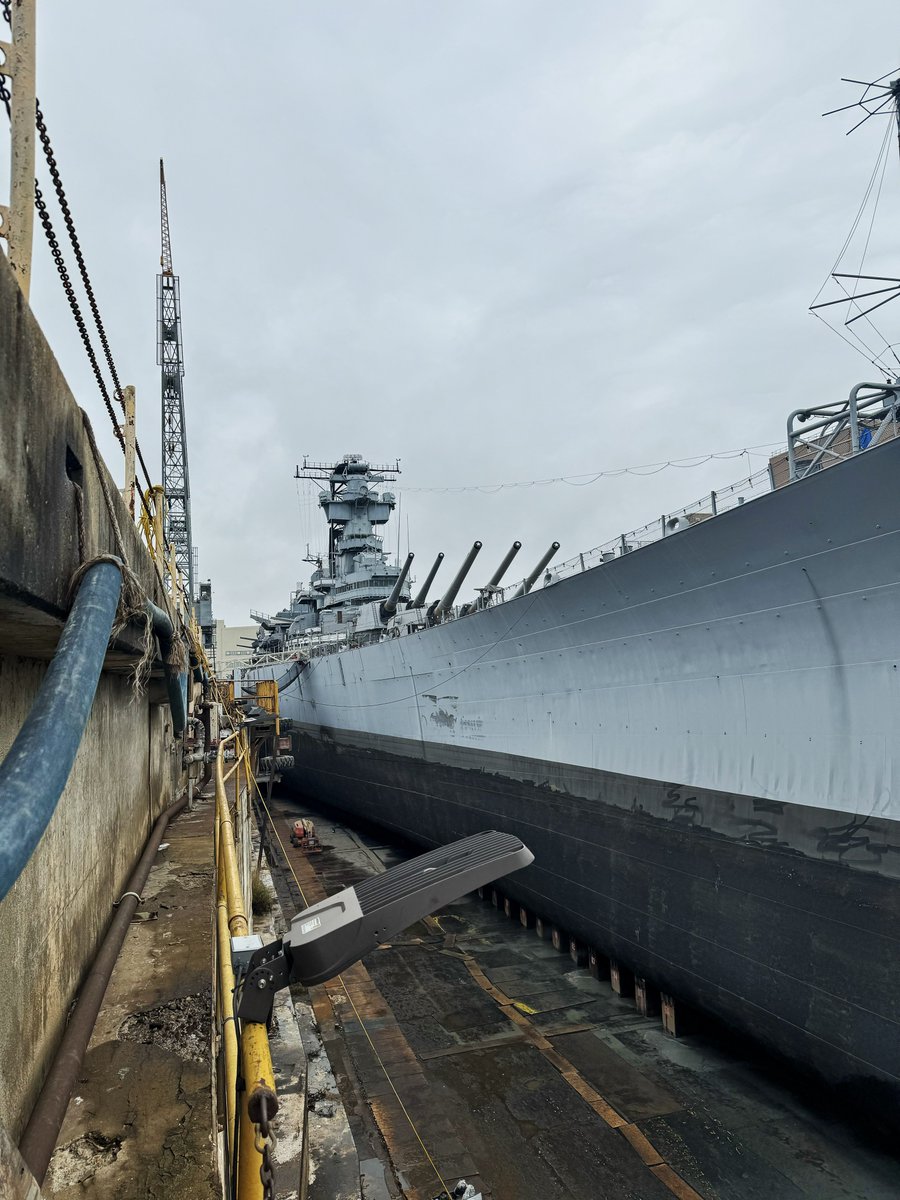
{"x":170,"y":358}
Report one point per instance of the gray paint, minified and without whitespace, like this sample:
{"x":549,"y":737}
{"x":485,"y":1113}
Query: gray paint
{"x":754,"y":654}
{"x":697,"y":740}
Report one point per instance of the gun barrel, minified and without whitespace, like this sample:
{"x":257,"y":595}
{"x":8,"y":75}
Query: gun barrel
{"x":389,"y":606}
{"x":449,"y":596}
{"x":500,"y":572}
{"x":422,"y":593}
{"x":529,"y":581}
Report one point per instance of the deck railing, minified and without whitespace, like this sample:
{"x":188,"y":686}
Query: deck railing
{"x":711,"y":505}
{"x":818,"y":437}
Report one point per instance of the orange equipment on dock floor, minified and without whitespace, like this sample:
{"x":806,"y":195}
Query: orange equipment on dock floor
{"x":303,"y":834}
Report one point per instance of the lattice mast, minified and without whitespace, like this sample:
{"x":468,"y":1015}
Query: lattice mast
{"x":170,"y":357}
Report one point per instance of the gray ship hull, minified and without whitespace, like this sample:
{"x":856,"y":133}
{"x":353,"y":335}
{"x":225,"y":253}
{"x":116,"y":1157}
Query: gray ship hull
{"x":698,"y":742}
{"x":795,"y":949}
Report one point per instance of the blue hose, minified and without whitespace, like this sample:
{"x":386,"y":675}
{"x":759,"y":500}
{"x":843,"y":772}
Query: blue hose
{"x":34,"y":773}
{"x":176,"y":684}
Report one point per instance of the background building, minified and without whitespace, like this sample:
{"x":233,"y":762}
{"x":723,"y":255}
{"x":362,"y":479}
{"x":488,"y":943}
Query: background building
{"x":231,"y":650}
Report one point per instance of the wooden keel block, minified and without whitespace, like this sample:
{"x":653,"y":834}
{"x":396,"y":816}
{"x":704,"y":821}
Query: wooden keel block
{"x":621,"y":979}
{"x":578,"y":953}
{"x":646,"y":997}
{"x":669,"y":1021}
{"x":598,"y":964}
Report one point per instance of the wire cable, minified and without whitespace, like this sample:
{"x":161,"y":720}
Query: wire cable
{"x":589,"y":477}
{"x":874,"y":185}
{"x":356,"y":1012}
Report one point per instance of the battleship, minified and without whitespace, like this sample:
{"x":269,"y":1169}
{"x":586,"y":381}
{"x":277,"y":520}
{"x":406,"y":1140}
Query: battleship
{"x":692,"y":727}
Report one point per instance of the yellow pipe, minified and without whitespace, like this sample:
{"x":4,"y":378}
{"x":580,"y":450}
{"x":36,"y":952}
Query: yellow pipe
{"x":247,"y":771}
{"x":234,"y":766}
{"x":256,"y":1058}
{"x":226,"y":994}
{"x":237,"y":919}
{"x":259,"y":1081}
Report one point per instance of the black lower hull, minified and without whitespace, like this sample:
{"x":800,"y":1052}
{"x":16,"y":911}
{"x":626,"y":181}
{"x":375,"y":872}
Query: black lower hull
{"x":767,"y":928}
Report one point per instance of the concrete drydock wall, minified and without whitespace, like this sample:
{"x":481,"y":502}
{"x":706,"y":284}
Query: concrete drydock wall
{"x":127,"y":768}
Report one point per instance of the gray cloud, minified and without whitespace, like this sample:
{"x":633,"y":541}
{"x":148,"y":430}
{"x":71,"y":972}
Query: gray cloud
{"x":500,"y":240}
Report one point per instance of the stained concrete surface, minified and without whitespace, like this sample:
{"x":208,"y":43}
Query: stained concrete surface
{"x":731,"y":1124}
{"x":140,"y":1122}
{"x":125,"y":771}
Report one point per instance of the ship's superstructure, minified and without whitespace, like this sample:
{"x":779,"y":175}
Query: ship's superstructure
{"x":354,"y":582}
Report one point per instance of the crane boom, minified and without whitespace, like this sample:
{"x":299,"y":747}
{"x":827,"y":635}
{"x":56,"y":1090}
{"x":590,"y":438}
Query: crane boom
{"x":165,"y":258}
{"x":170,"y":358}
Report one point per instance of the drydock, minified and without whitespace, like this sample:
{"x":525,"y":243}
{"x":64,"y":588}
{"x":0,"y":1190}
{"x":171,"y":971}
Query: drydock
{"x":484,"y":1044}
{"x":218,"y":986}
{"x":480,"y":1044}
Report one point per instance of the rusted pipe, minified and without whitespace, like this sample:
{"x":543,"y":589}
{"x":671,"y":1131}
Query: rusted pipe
{"x":39,"y":1139}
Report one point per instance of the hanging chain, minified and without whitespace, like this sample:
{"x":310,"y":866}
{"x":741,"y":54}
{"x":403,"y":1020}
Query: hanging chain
{"x":56,"y":252}
{"x":264,"y":1140}
{"x":68,"y":288}
{"x":5,"y":93}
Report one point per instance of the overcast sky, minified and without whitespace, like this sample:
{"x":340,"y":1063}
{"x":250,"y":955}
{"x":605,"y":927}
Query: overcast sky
{"x":500,"y":240}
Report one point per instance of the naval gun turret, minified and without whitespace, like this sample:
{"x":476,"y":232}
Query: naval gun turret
{"x":419,"y":598}
{"x":528,"y":583}
{"x":493,"y":583}
{"x":446,"y":602}
{"x":389,"y":606}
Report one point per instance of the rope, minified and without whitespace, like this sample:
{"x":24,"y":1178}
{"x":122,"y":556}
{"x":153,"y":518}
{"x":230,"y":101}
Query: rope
{"x":131,"y":607}
{"x":79,"y":520}
{"x":589,"y":477}
{"x":356,"y":1011}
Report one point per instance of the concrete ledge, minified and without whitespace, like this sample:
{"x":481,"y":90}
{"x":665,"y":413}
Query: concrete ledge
{"x":44,"y":453}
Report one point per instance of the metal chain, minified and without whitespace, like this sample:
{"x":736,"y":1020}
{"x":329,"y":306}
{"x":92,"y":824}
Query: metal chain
{"x":5,"y":93}
{"x":76,"y":248}
{"x":56,"y":252}
{"x":85,"y":279}
{"x":82,"y":268}
{"x":265,"y":1143}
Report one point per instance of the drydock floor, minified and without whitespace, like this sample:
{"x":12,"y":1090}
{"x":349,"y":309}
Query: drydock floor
{"x":502,"y":1062}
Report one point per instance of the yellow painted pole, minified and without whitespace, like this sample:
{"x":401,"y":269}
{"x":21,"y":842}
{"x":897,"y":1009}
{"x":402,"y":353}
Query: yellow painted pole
{"x":237,"y":919}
